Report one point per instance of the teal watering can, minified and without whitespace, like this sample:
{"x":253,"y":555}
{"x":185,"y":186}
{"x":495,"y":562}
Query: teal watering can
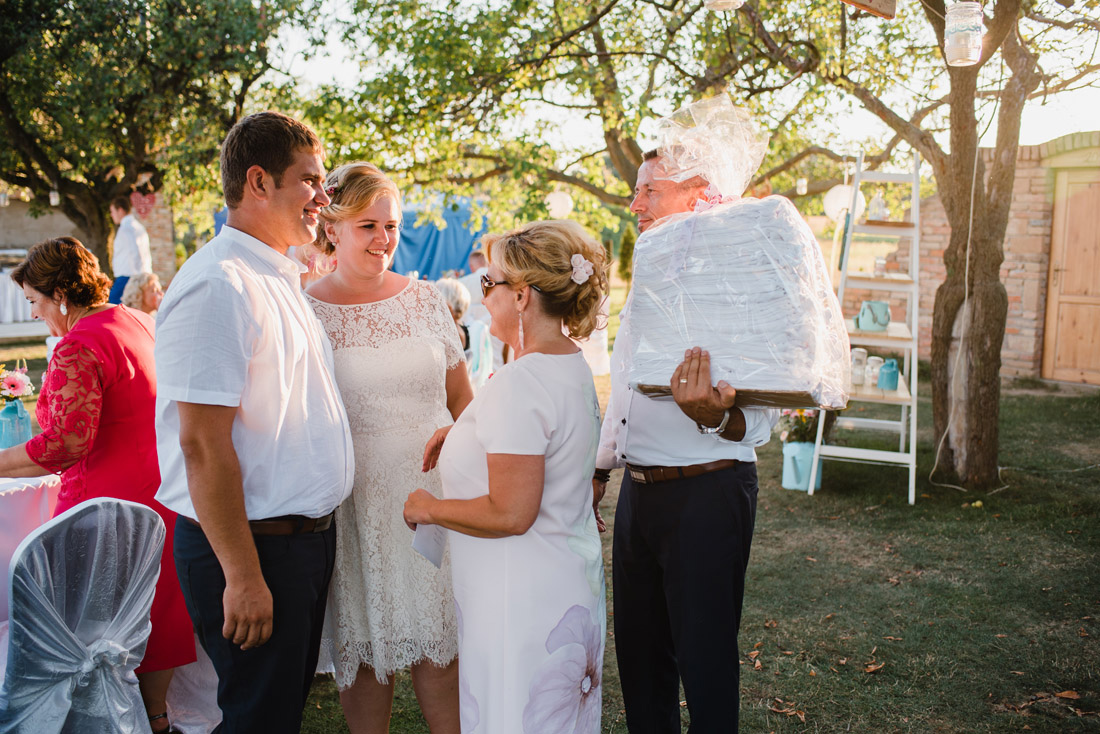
{"x":873,"y":316}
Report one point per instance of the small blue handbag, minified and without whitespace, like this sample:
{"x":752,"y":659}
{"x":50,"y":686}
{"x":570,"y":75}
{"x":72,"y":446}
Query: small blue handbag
{"x":15,"y":424}
{"x":873,"y":316}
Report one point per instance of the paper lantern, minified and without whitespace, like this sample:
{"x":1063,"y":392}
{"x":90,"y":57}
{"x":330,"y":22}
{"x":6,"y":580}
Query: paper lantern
{"x":55,"y":198}
{"x":962,"y":35}
{"x":801,"y":186}
{"x":839,"y":198}
{"x":5,"y":200}
{"x":716,"y":5}
{"x":559,"y":203}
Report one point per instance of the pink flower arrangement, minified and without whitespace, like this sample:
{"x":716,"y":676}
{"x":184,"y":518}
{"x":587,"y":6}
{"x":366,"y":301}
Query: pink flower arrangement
{"x":15,"y":384}
{"x":798,"y":426}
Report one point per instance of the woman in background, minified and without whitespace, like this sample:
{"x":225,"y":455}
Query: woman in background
{"x":143,"y":292}
{"x":97,"y":408}
{"x":473,"y":334}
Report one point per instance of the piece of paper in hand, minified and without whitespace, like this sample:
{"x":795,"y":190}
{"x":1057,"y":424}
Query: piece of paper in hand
{"x":429,"y":541}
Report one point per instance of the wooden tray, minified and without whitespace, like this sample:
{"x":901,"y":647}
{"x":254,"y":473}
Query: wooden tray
{"x":746,"y":398}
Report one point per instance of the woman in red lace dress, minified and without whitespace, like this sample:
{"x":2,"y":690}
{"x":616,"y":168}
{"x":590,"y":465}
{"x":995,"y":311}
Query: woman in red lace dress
{"x":96,"y":408}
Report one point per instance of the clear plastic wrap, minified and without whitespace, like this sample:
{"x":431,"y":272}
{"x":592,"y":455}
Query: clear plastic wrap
{"x":746,"y":281}
{"x":81,"y":589}
{"x":713,"y":139}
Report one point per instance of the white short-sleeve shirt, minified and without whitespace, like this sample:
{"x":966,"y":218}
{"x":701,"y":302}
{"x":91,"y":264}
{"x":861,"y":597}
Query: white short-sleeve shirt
{"x":234,"y":330}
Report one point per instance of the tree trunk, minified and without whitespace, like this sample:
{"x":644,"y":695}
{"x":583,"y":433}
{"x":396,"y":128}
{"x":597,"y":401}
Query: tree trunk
{"x":966,"y":389}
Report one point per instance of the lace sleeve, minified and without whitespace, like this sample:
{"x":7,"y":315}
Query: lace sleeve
{"x":445,"y":327}
{"x":75,"y":400}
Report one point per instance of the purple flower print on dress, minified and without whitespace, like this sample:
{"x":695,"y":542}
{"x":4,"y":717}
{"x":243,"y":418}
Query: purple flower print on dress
{"x":469,"y":713}
{"x":565,"y":693}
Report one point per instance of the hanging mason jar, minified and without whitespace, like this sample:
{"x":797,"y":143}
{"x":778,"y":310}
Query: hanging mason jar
{"x":723,"y":4}
{"x":962,"y":36}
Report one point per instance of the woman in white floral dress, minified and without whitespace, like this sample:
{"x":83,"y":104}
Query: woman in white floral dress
{"x":517,"y":476}
{"x":401,"y":372}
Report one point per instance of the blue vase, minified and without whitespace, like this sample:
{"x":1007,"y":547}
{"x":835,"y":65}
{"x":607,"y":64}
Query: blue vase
{"x":796,"y":466}
{"x":15,"y":424}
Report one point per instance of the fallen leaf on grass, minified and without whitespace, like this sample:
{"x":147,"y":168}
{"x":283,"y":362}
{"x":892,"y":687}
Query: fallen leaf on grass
{"x":1000,"y":637}
{"x":811,"y":558}
{"x":1068,"y":694}
{"x":758,"y":645}
{"x":843,"y":661}
{"x":892,"y":639}
{"x":789,"y":712}
{"x":753,"y":655}
{"x":874,"y":668}
{"x":1079,"y":712}
{"x":771,"y":624}
{"x":756,"y":665}
{"x":1016,"y":672}
{"x":1081,"y":632}
{"x":894,"y":581}
{"x":813,"y":673}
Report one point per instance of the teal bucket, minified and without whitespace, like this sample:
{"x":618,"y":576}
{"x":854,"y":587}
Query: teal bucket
{"x":796,"y":466}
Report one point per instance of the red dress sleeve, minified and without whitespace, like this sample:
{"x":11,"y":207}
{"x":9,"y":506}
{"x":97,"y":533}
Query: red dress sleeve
{"x":74,"y":391}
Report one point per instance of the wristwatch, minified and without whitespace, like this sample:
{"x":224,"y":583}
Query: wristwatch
{"x":708,"y":431}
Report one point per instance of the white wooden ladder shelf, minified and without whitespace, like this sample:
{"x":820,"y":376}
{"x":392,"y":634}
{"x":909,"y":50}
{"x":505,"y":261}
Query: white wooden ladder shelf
{"x":900,"y":336}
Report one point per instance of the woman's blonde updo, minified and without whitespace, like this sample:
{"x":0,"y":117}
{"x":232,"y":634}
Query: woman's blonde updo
{"x":353,"y":188}
{"x":539,"y":254}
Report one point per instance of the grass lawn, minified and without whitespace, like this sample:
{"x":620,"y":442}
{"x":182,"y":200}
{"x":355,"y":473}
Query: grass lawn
{"x":968,"y":612}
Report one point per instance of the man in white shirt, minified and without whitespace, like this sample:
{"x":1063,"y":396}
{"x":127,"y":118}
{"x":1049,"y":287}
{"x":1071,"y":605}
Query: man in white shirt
{"x":254,"y":446}
{"x":131,"y":247}
{"x":684,"y":520}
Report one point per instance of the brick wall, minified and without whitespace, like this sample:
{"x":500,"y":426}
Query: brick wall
{"x":162,"y":245}
{"x":1026,"y":256}
{"x":18,"y":229}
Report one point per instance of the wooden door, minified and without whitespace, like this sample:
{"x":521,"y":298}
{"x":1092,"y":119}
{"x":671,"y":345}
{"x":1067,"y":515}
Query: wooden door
{"x":1071,"y":344}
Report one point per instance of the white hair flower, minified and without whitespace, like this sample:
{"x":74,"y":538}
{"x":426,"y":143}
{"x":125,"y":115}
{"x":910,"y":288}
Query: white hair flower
{"x":582,"y":269}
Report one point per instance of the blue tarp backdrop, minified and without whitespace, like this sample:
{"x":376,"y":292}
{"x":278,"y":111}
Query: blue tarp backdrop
{"x":430,"y":250}
{"x":425,"y":249}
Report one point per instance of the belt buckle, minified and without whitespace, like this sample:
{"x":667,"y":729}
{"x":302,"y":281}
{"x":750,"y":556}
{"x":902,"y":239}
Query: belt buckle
{"x":638,"y":476}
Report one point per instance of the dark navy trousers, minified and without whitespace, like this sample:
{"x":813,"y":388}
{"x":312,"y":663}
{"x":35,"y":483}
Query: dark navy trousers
{"x":263,"y":689}
{"x":680,"y":552}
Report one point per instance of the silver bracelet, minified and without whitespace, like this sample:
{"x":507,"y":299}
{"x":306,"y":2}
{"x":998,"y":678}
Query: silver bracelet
{"x":708,"y":431}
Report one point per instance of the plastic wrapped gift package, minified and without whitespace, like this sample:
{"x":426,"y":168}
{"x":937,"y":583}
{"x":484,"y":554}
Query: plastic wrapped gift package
{"x":747,"y":282}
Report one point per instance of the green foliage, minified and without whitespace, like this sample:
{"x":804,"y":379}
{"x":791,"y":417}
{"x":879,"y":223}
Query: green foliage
{"x":626,"y":252}
{"x":98,"y":96}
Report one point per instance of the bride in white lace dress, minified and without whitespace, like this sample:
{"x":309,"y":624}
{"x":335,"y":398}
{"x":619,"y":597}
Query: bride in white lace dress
{"x":401,"y":372}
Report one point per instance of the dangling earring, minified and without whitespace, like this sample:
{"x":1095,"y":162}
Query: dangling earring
{"x":64,"y":309}
{"x":521,"y":331}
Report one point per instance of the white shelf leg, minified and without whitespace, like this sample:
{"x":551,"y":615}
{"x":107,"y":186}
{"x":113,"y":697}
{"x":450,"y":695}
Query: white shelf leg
{"x":817,"y":451}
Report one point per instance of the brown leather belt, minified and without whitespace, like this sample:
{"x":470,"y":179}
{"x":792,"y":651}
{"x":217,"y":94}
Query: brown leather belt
{"x":655,"y":474}
{"x":285,"y":525}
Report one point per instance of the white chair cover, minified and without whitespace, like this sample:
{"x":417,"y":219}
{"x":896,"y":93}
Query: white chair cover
{"x":81,"y":587}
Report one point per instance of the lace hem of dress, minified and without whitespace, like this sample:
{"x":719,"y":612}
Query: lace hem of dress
{"x":389,"y":657}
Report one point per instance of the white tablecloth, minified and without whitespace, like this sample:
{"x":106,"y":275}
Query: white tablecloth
{"x":13,"y":304}
{"x":25,"y":504}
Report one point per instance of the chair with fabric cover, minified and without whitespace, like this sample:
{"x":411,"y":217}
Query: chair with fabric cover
{"x":81,"y":587}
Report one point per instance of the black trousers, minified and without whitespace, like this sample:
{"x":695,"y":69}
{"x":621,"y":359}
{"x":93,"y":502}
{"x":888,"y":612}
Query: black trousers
{"x":680,"y":553}
{"x":263,"y":689}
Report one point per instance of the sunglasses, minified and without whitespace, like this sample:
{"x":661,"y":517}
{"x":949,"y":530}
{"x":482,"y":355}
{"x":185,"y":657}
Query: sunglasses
{"x":487,"y":284}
